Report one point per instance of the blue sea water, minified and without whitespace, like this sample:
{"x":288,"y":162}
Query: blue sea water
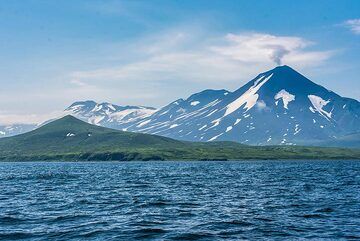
{"x":275,"y":200}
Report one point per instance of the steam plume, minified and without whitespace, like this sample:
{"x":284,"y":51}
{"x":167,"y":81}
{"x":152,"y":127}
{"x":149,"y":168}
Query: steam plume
{"x":278,"y":53}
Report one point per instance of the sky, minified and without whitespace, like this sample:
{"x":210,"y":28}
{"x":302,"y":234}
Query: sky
{"x":53,"y":53}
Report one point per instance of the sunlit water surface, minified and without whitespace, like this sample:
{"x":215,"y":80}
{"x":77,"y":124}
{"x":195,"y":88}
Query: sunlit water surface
{"x":180,"y":200}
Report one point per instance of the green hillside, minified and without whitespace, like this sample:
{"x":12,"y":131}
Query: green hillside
{"x":73,"y":140}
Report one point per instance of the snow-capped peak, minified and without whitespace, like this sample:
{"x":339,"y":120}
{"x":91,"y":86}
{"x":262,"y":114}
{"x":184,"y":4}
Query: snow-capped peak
{"x":289,"y":109}
{"x":108,"y":114}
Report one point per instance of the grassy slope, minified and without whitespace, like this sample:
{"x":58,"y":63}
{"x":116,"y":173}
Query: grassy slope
{"x":97,"y":143}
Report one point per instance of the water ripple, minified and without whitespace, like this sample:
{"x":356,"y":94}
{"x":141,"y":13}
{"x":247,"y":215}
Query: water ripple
{"x":282,"y":200}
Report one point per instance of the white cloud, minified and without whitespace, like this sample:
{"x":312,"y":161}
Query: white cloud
{"x":183,"y":58}
{"x":79,"y":83}
{"x":14,"y":118}
{"x":258,"y":48}
{"x":261,"y":105}
{"x":160,"y":68}
{"x":353,"y":25}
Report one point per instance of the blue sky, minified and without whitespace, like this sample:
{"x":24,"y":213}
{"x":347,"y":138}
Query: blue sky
{"x":152,"y":52}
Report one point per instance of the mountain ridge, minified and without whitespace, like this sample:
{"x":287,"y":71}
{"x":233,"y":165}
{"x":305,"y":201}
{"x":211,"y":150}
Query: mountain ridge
{"x":71,"y":139}
{"x":264,"y":97}
{"x":277,"y":107}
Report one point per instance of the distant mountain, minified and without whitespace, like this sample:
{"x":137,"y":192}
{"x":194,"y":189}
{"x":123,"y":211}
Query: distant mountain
{"x":71,"y":139}
{"x":278,"y":107}
{"x":102,"y":114}
{"x":15,"y":129}
{"x":107,"y":114}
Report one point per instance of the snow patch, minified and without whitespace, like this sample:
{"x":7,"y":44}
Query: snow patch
{"x":212,"y":112}
{"x":318,"y":103}
{"x":213,"y":138}
{"x":163,"y":113}
{"x":97,"y":108}
{"x":297,"y":129}
{"x":237,"y":121}
{"x":96,"y":119}
{"x":285,"y":96}
{"x":249,"y":98}
{"x":204,"y":126}
{"x":111,"y":107}
{"x":215,"y":122}
{"x":194,"y":103}
{"x":143,"y":123}
{"x":130,"y":114}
